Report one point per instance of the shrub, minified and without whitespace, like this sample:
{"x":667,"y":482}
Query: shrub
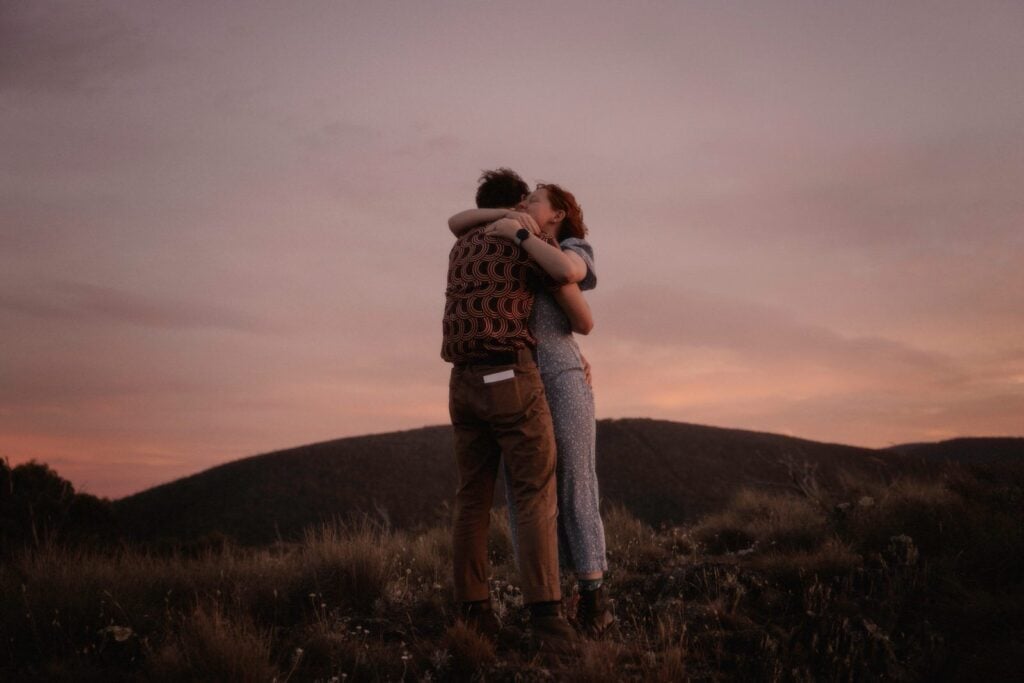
{"x":37,"y":505}
{"x":430,"y":554}
{"x":210,"y":646}
{"x":348,"y":563}
{"x":469,"y":651}
{"x":925,"y":510}
{"x":630,"y":542}
{"x":780,"y":521}
{"x":832,"y":558}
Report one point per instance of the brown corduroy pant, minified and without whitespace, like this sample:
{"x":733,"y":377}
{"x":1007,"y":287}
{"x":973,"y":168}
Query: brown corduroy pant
{"x":507,"y":418}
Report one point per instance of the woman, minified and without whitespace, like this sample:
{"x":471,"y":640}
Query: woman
{"x":554,"y":211}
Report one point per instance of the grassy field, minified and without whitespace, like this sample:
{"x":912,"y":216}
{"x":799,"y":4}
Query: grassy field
{"x":907,"y":580}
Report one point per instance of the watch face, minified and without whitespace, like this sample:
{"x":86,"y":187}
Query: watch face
{"x":522,"y":234}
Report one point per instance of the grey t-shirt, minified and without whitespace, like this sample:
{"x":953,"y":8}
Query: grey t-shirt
{"x":556,"y":348}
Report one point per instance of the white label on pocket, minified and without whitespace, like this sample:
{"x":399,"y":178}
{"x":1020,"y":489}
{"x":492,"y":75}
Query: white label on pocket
{"x":498,"y":376}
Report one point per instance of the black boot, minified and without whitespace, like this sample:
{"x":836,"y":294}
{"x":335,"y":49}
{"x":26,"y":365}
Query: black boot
{"x":553,"y":636}
{"x":593,"y":612}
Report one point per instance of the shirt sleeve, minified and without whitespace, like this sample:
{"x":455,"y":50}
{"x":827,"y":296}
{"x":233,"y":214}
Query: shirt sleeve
{"x":586,"y":252}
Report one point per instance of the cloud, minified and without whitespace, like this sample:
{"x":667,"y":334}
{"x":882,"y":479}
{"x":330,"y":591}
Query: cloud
{"x":759,"y":334}
{"x":692,"y":355}
{"x":40,"y":226}
{"x":879,"y":419}
{"x":84,"y":302}
{"x":54,"y":47}
{"x":947,"y":191}
{"x":433,"y":147}
{"x":337,"y":137}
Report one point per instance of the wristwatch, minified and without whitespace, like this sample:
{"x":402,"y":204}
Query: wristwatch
{"x":521,"y":235}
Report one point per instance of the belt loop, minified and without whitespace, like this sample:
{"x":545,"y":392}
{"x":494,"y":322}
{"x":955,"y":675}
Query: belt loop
{"x":525,"y":354}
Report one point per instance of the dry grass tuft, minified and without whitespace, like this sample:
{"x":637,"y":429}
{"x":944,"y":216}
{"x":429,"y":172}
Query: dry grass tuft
{"x":765,"y":520}
{"x":833,"y":558}
{"x":430,"y":555}
{"x":926,"y":510}
{"x":348,"y":563}
{"x":467,"y":652}
{"x":629,"y":542}
{"x":598,"y":662}
{"x":210,"y":646}
{"x":669,"y":667}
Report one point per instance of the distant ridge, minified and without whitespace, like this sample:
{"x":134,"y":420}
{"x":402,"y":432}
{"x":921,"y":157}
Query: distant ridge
{"x":662,"y":471}
{"x":966,"y":450}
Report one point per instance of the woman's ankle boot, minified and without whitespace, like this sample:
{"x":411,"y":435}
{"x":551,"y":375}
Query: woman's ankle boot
{"x":593,"y":612}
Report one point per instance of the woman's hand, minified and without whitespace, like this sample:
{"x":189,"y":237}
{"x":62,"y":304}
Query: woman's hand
{"x":564,"y":267}
{"x":505,"y":227}
{"x":525,"y":220}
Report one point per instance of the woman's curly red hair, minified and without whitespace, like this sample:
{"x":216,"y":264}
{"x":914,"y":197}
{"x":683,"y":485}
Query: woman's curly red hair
{"x":563,"y":200}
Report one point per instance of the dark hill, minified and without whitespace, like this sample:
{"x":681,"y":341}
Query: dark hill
{"x":662,"y":471}
{"x":966,"y":450}
{"x":404,"y":476}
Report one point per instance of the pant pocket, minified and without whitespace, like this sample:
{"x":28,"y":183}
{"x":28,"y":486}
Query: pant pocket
{"x":504,"y":398}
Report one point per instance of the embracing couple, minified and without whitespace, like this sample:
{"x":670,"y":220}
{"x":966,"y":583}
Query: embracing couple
{"x":520,"y":395}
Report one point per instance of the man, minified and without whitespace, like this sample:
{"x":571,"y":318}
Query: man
{"x":499,"y":410}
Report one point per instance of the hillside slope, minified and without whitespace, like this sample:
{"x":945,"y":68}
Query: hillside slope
{"x":966,"y":450}
{"x":662,"y":471}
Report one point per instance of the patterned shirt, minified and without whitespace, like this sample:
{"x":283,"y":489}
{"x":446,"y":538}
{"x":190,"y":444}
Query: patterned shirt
{"x":490,"y":294}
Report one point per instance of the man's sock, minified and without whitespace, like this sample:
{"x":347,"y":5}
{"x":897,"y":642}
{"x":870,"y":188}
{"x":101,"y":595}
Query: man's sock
{"x":590,"y":584}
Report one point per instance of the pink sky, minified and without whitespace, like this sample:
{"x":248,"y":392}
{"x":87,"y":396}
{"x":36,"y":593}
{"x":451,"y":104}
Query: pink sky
{"x":222,"y":227}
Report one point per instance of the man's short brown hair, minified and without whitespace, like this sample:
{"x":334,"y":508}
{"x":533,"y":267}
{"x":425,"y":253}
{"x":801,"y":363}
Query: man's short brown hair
{"x":500,"y":189}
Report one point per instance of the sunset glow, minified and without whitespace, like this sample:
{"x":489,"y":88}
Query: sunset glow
{"x":222,"y":226}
